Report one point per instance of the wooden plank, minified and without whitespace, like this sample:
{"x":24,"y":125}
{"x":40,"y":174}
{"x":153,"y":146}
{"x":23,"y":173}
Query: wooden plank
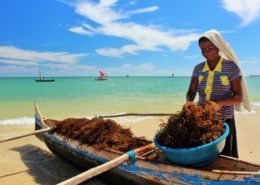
{"x":25,"y":135}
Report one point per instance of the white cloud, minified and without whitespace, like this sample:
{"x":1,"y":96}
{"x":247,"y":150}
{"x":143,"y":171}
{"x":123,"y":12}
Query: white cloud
{"x":107,"y":2}
{"x":80,"y":30}
{"x":145,"y":66}
{"x":110,"y":52}
{"x":132,"y":3}
{"x":126,"y":65}
{"x":250,"y":61}
{"x":18,"y":62}
{"x":191,"y":57}
{"x":144,"y":10}
{"x":67,"y":67}
{"x":142,"y":69}
{"x":10,"y":54}
{"x":89,"y":27}
{"x":118,"y":52}
{"x":247,"y":10}
{"x":144,"y":37}
{"x":98,"y":13}
{"x":86,"y":68}
{"x":17,"y":70}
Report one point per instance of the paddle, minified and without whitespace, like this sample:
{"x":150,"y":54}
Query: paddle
{"x":25,"y":135}
{"x":104,"y":167}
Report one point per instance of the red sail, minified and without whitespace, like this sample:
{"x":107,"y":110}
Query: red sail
{"x":102,"y":75}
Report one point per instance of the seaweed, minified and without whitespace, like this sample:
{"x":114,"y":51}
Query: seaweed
{"x":195,"y":125}
{"x":100,"y":133}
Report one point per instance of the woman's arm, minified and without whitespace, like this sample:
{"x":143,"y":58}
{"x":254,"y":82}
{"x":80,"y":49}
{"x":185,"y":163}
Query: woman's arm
{"x":237,"y":94}
{"x":191,"y":94}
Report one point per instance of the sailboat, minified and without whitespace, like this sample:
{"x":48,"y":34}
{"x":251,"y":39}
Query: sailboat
{"x":102,"y":75}
{"x":43,"y":79}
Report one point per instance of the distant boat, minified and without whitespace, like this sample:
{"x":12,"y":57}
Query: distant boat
{"x":127,"y":76}
{"x":102,"y":75}
{"x":172,"y":75}
{"x":254,"y":75}
{"x":43,"y":79}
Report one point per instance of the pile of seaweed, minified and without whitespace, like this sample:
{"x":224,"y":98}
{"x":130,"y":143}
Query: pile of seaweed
{"x":98,"y":132}
{"x":195,"y":125}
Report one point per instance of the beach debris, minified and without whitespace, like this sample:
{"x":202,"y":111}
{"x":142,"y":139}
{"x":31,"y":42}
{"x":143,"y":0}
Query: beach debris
{"x":98,"y":132}
{"x":195,"y":125}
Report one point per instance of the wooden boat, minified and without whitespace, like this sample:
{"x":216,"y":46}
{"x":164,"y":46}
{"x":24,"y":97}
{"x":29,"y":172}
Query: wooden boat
{"x":43,"y":79}
{"x":224,"y":170}
{"x":254,"y":75}
{"x":102,"y":75}
{"x":100,"y":78}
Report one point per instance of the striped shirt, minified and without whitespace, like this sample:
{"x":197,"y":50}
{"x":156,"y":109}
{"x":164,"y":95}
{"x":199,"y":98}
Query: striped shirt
{"x":216,"y":85}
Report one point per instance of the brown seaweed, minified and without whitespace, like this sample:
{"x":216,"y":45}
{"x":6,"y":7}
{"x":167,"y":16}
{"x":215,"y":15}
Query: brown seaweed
{"x":195,"y":125}
{"x":100,"y":133}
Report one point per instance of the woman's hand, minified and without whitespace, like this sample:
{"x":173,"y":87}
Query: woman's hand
{"x":187,"y":104}
{"x":212,"y":103}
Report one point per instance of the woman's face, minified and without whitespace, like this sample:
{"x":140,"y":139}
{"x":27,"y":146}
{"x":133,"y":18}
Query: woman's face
{"x":209,"y":50}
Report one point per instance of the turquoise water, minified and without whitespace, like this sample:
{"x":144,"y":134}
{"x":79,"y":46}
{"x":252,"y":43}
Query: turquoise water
{"x":83,"y":96}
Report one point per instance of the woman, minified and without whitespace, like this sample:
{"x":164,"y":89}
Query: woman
{"x":219,"y":79}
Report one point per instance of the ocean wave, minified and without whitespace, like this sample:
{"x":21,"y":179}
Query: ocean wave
{"x":256,"y":103}
{"x":245,"y":112}
{"x":18,"y":121}
{"x":132,"y":119}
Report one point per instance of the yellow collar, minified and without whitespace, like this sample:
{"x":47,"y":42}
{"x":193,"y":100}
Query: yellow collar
{"x":218,"y":68}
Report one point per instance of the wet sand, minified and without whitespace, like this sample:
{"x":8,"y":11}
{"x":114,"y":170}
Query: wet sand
{"x":27,"y":161}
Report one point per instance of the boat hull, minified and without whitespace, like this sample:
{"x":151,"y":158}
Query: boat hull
{"x":100,"y":79}
{"x":39,"y":80}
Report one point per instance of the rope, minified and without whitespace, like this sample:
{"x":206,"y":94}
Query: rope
{"x":132,"y":156}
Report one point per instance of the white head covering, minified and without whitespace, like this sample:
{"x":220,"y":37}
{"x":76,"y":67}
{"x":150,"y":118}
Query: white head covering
{"x":227,"y":53}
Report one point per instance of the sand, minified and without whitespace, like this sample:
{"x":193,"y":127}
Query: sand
{"x":27,"y":161}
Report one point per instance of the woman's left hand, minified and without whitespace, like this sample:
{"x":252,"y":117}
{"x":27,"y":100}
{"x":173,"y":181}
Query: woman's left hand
{"x":214,"y":104}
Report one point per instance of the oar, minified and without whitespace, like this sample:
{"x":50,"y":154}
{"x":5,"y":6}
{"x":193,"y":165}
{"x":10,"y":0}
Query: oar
{"x":25,"y":135}
{"x":104,"y":167}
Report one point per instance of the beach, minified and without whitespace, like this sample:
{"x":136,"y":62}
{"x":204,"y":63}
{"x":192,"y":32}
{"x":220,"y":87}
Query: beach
{"x":27,"y":161}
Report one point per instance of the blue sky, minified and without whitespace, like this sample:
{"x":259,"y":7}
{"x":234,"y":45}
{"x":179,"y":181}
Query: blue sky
{"x":135,"y":37}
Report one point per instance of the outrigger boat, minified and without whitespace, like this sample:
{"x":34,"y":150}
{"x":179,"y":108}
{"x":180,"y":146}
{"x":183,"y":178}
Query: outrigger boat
{"x":146,"y":170}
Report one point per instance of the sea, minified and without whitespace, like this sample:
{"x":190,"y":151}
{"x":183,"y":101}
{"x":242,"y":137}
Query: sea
{"x":87,"y":97}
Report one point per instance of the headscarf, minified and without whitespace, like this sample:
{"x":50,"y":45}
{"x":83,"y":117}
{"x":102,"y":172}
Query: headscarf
{"x":228,"y":53}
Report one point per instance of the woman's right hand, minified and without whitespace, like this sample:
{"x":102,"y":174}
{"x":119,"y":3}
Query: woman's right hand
{"x":187,"y":104}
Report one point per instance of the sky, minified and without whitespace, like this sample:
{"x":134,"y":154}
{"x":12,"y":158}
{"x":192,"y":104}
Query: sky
{"x":122,"y":37}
